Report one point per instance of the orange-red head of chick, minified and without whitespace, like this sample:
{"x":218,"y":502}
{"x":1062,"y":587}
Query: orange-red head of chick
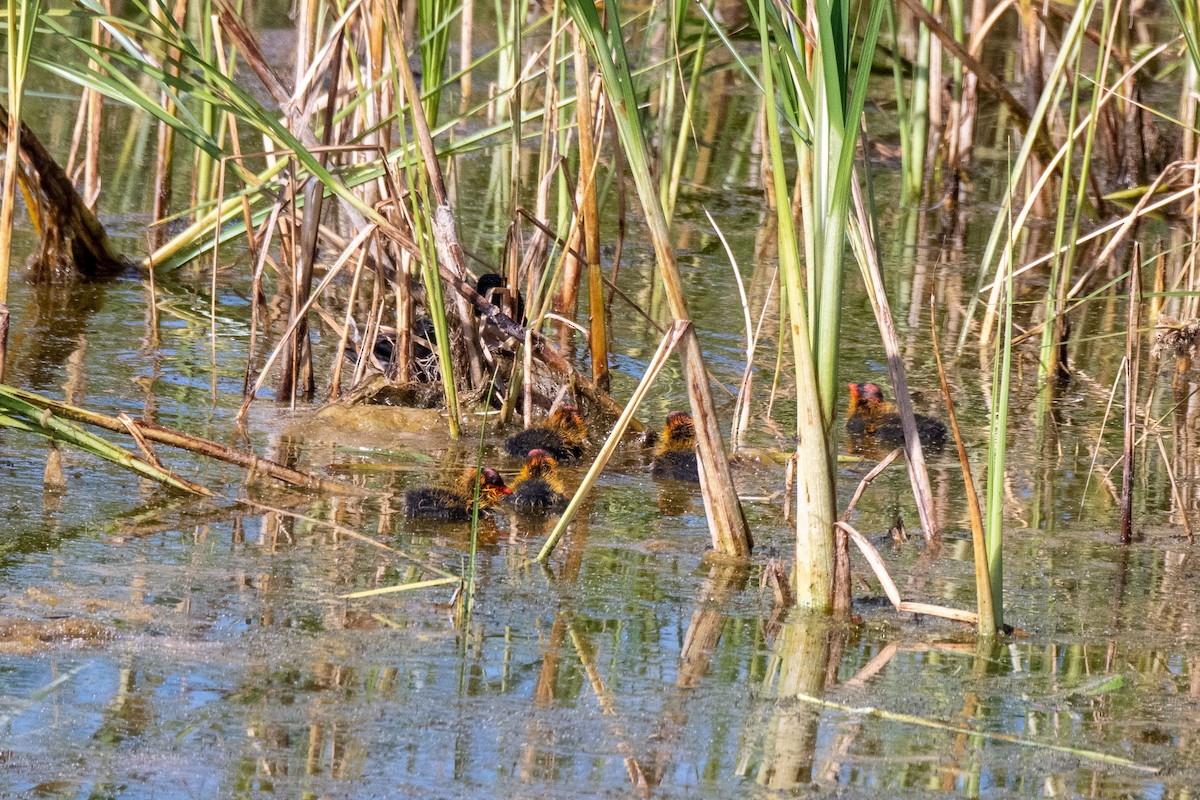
{"x":872,"y":415}
{"x":675,"y":458}
{"x":563,"y":436}
{"x":458,"y":504}
{"x":539,"y":485}
{"x":867,"y":398}
{"x":679,"y":433}
{"x":491,"y":486}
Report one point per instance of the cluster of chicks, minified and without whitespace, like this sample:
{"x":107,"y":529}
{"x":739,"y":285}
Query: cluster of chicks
{"x":539,"y":486}
{"x":872,"y":421}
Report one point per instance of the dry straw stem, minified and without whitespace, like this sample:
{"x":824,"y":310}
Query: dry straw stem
{"x":1132,"y":360}
{"x":194,"y":444}
{"x":909,"y":719}
{"x":918,"y":475}
{"x":403,"y":587}
{"x":588,"y":163}
{"x":889,"y":586}
{"x":983,"y":581}
{"x":875,"y":472}
{"x":677,"y":331}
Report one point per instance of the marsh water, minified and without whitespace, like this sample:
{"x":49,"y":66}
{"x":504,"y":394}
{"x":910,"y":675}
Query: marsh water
{"x":218,"y":656}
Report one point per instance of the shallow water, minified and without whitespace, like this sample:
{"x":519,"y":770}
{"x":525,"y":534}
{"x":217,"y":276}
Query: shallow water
{"x":631,"y":665}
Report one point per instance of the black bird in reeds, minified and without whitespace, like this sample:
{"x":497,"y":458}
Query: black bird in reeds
{"x":539,"y":486}
{"x":424,"y":355}
{"x":459,"y":503}
{"x":675,"y":458}
{"x":563,"y":436}
{"x":493,"y":282}
{"x":871,"y":416}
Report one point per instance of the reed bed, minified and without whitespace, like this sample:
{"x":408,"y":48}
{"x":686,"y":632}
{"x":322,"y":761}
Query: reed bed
{"x":334,"y":188}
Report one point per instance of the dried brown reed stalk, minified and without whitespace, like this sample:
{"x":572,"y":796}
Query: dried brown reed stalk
{"x":589,"y":160}
{"x":879,"y":567}
{"x":862,"y":238}
{"x":146,"y":431}
{"x":983,"y":580}
{"x":1132,"y":361}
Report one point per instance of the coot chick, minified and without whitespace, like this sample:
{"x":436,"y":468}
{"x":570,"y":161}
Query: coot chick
{"x":675,"y":458}
{"x":457,"y":504}
{"x":871,"y":415}
{"x":539,"y":486}
{"x":563,"y":436}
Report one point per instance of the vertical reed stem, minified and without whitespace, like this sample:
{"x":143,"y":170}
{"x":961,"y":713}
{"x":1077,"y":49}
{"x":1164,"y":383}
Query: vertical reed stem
{"x":588,"y":165}
{"x":1133,"y":317}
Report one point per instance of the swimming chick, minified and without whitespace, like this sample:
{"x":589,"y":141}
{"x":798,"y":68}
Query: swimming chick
{"x":675,"y":458}
{"x":457,"y":504}
{"x":563,"y":436}
{"x":871,"y":415}
{"x":539,"y":485}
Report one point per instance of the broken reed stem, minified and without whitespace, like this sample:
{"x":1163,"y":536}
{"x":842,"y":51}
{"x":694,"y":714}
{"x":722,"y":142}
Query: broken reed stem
{"x":875,"y":472}
{"x":193,"y":444}
{"x":403,"y":587}
{"x":972,"y":732}
{"x":863,"y":241}
{"x":665,"y":348}
{"x":889,"y":586}
{"x":1176,"y":495}
{"x":1133,"y":316}
{"x":983,"y":581}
